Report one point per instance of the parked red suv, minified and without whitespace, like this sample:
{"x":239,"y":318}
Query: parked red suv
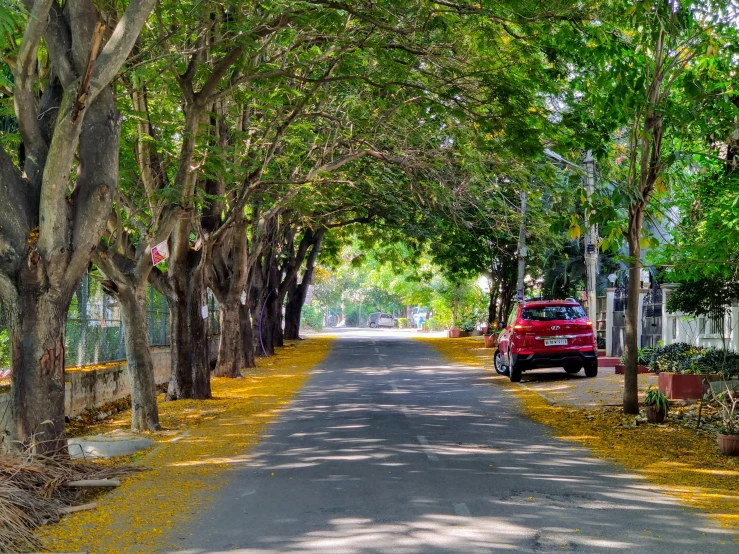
{"x":551,"y":333}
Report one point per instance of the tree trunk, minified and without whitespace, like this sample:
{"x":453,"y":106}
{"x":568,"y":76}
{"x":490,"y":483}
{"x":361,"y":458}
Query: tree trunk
{"x":231,"y":347}
{"x":36,"y":328}
{"x":631,"y":385}
{"x":293,"y":310}
{"x":297,"y":294}
{"x":247,"y":335}
{"x":190,"y":374}
{"x":493,"y":304}
{"x":144,"y":410}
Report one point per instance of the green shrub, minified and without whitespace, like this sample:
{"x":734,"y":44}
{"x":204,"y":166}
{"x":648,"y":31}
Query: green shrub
{"x":312,"y":317}
{"x":687,"y":359}
{"x":4,"y":349}
{"x":433,"y":324}
{"x":403,"y":322}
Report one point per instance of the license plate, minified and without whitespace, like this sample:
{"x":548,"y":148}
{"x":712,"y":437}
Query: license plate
{"x":555,"y":342}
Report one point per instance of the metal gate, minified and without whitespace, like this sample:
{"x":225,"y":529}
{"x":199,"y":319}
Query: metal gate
{"x":620,"y":301}
{"x":651,"y":316}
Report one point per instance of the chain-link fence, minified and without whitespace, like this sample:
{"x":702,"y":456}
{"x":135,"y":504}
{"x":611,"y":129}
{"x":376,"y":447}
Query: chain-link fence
{"x":95,"y":333}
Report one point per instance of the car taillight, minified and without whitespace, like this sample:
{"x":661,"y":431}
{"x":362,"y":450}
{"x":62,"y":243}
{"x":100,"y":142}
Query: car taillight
{"x":586,"y":324}
{"x":520,"y":327}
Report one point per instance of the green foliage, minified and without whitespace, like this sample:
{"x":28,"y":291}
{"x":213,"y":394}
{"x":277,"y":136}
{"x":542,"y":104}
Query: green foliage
{"x":403,"y":322}
{"x":312,"y":317}
{"x":4,"y":349}
{"x":687,"y":359}
{"x":703,"y":297}
{"x":657,"y":398}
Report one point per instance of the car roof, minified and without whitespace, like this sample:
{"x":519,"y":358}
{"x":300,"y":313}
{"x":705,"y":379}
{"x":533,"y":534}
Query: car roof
{"x":544,"y":303}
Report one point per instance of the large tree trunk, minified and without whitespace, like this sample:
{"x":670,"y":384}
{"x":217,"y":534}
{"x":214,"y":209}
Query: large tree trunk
{"x":293,"y":310}
{"x":190,"y":374}
{"x":144,"y":410}
{"x":231,"y":347}
{"x":631,"y":385}
{"x":36,"y":327}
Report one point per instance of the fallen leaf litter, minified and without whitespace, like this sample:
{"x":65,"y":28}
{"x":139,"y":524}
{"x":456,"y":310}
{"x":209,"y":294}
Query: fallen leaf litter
{"x":675,"y":456}
{"x":201,"y":439}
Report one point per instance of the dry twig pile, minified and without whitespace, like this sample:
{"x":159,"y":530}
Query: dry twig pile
{"x":33,"y":493}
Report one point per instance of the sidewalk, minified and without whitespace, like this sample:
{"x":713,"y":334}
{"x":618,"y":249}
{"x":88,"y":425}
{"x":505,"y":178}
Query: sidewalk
{"x":578,"y":391}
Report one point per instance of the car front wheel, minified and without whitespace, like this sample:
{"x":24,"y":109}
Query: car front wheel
{"x":591,"y":370}
{"x":572,"y":368}
{"x":500,"y":369}
{"x":373,"y":325}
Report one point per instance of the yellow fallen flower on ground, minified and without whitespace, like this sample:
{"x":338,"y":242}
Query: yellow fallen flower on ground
{"x":684,"y":461}
{"x":187,"y":465}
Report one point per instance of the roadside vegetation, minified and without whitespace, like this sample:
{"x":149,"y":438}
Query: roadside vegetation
{"x":272,"y":167}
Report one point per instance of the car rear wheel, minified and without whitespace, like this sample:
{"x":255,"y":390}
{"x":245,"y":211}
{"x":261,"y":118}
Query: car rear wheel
{"x":572,"y":368}
{"x":500,"y":369}
{"x":514,"y":374}
{"x":591,"y":370}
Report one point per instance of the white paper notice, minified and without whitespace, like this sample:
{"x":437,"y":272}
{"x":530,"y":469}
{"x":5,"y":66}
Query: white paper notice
{"x":204,"y":312}
{"x":243,"y":298}
{"x":159,"y":253}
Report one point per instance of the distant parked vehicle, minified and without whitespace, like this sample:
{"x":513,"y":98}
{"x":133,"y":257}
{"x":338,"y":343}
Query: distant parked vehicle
{"x":380,"y":319}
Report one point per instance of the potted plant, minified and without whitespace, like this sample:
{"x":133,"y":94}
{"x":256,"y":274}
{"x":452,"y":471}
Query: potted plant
{"x":491,"y":341}
{"x":642,"y":359}
{"x":727,"y":400}
{"x":656,"y":404}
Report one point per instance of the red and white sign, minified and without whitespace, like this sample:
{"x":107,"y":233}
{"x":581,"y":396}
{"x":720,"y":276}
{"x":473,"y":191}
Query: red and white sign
{"x":159,"y":253}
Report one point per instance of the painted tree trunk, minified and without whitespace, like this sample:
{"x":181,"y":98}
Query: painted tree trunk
{"x":36,"y":328}
{"x":231,"y":347}
{"x":631,"y":387}
{"x":144,"y":410}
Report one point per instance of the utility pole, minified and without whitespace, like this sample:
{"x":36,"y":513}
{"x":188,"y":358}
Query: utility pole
{"x":591,"y":244}
{"x":521,"y":249}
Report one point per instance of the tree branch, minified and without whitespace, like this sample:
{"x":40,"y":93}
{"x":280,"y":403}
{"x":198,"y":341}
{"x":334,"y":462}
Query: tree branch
{"x":24,"y":97}
{"x":120,"y":44}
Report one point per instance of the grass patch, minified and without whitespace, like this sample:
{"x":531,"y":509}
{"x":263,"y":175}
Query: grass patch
{"x":201,"y":439}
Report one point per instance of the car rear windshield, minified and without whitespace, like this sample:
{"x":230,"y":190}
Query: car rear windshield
{"x":552,"y":313}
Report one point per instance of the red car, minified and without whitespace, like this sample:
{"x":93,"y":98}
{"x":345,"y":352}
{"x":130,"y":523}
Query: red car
{"x":551,"y":333}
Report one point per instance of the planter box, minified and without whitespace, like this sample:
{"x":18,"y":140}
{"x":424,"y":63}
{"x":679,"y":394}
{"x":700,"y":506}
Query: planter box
{"x":688,"y":387}
{"x":621,"y":368}
{"x":453,"y":333}
{"x":728,"y":444}
{"x":465,"y":334}
{"x":491,"y":341}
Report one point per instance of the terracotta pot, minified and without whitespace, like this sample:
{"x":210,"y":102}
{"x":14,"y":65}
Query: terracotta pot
{"x":453,"y":333}
{"x":484,"y":329}
{"x":728,"y":444}
{"x":654,"y":415}
{"x":491,"y":341}
{"x":621,"y":369}
{"x":677,"y":386}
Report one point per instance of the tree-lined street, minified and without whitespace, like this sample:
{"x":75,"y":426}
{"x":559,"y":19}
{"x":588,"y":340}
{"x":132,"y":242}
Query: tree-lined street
{"x":390,"y":449}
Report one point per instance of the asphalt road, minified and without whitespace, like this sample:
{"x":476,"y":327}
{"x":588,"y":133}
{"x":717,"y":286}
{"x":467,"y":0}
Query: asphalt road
{"x":389,"y":450}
